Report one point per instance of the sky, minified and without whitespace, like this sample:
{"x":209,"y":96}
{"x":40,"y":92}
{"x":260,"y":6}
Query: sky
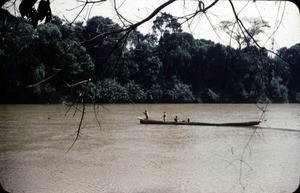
{"x":283,"y":17}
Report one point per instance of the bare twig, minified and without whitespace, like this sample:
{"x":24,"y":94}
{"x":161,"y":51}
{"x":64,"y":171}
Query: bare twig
{"x":96,"y":112}
{"x":83,"y":6}
{"x":46,"y":79}
{"x":245,"y":31}
{"x":79,"y":126}
{"x":254,"y":131}
{"x":242,"y":157}
{"x":72,"y":105}
{"x":201,"y":10}
{"x":120,"y":16}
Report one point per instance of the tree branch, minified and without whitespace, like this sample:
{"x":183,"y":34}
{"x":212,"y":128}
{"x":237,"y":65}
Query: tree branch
{"x":79,"y":126}
{"x":245,"y":31}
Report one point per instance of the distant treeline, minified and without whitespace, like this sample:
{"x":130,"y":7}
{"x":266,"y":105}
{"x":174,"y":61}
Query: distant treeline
{"x":59,"y":62}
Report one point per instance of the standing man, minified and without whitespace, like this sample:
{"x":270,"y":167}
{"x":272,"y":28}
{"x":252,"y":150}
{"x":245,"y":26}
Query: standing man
{"x":165,"y":116}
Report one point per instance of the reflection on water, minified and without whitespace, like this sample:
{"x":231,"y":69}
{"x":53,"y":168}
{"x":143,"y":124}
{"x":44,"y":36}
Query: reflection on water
{"x":121,"y":155}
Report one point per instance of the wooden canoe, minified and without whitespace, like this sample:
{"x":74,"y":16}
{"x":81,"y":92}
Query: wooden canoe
{"x":236,"y":124}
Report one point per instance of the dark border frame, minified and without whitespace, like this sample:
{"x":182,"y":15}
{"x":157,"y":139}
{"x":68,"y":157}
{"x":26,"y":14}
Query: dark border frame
{"x":296,"y":2}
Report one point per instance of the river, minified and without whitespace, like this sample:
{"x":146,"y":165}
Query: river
{"x":119,"y":155}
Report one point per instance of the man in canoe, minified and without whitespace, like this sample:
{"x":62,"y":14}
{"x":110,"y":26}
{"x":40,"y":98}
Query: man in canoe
{"x":165,"y":116}
{"x":176,"y":119}
{"x":146,"y":114}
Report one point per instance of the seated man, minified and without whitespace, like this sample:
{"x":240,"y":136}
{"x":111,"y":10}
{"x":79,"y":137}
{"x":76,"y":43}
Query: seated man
{"x":176,"y":119}
{"x":146,"y":114}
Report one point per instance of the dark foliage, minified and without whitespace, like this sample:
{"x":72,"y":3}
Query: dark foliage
{"x":57,"y":62}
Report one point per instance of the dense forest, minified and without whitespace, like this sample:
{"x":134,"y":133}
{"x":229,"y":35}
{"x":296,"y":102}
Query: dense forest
{"x":51,"y":64}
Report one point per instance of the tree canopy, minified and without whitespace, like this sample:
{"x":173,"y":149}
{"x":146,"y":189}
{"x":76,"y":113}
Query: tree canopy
{"x":57,"y":62}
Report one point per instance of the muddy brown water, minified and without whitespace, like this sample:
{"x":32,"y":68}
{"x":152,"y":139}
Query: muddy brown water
{"x":121,"y":155}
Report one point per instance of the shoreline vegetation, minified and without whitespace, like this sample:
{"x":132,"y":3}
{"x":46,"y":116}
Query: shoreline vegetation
{"x":46,"y":65}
